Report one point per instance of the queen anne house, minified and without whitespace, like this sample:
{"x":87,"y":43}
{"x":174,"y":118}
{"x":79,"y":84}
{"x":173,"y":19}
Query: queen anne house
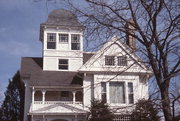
{"x":60,"y":85}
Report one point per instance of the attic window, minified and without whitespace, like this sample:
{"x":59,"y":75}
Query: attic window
{"x":63,"y":38}
{"x":51,"y":40}
{"x":122,"y":61}
{"x":63,"y":64}
{"x":75,"y":42}
{"x":109,"y":60}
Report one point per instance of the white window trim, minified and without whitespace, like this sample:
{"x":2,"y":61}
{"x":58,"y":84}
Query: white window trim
{"x":58,"y":64}
{"x":80,"y":41}
{"x":126,"y":93}
{"x":59,"y":38}
{"x":115,"y":61}
{"x":46,"y":38}
{"x":110,"y":65}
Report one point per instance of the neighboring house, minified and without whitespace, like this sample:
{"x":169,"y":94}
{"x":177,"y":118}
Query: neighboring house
{"x":61,"y":84}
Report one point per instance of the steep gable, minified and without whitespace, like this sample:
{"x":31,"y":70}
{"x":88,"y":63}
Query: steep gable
{"x":115,"y":48}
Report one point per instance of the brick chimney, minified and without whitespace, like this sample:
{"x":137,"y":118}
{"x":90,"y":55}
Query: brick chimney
{"x":130,"y":30}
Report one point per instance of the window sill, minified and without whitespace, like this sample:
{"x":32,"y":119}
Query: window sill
{"x":117,"y":104}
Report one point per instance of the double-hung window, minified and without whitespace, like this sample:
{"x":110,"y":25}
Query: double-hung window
{"x":130,"y":93}
{"x":63,"y":38}
{"x":122,"y":61}
{"x":103,"y":91}
{"x":63,"y":64}
{"x":75,"y":41}
{"x":116,"y":92}
{"x":109,"y":60}
{"x":51,"y":40}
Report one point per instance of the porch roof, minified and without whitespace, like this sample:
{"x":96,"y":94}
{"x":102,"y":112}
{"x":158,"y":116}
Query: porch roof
{"x":31,"y":69}
{"x":60,"y":109}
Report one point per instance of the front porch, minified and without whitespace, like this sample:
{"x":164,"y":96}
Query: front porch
{"x":44,"y":98}
{"x":54,"y":95}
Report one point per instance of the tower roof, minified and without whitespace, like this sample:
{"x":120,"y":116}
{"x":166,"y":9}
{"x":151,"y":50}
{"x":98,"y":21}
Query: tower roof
{"x":61,"y":17}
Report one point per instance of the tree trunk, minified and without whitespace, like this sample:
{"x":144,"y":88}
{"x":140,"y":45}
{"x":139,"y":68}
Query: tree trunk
{"x":166,"y":103}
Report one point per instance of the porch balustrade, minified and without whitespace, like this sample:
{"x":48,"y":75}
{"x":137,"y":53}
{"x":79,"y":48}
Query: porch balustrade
{"x":57,"y":102}
{"x":41,"y":97}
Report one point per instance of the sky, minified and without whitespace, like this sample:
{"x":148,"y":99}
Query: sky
{"x":19,"y":34}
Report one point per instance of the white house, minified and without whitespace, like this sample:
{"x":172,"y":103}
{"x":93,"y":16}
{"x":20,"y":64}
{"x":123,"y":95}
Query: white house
{"x":60,"y":85}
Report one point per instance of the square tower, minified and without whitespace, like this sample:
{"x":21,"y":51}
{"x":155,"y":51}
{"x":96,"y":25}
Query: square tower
{"x":62,"y":39}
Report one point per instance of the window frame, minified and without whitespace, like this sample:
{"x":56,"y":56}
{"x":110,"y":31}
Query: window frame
{"x":130,"y":92}
{"x":75,"y":42}
{"x":66,"y":38}
{"x":63,"y":64}
{"x":122,"y":60}
{"x":103,"y":92}
{"x":51,"y":40}
{"x":124,"y":92}
{"x":109,"y":62}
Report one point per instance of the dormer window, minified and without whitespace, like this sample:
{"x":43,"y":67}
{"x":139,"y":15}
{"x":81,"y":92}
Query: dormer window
{"x":63,"y":38}
{"x":51,"y":40}
{"x":109,"y":60}
{"x":122,"y":61}
{"x":75,"y":42}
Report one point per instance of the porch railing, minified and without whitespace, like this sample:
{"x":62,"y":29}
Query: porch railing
{"x":57,"y":102}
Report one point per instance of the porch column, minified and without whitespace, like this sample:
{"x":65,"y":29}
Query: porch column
{"x":74,"y":97}
{"x":33,"y":92}
{"x":43,"y":96}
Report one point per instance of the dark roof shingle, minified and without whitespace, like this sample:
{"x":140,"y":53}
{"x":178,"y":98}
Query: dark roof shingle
{"x":61,"y":17}
{"x":86,"y":57}
{"x":32,"y":68}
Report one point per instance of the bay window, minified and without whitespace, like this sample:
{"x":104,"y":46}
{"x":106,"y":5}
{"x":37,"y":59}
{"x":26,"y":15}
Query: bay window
{"x":103,"y":91}
{"x":116,"y":92}
{"x":130,"y":93}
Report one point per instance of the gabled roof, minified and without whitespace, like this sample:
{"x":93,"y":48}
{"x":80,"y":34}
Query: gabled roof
{"x":125,"y":48}
{"x":32,"y":68}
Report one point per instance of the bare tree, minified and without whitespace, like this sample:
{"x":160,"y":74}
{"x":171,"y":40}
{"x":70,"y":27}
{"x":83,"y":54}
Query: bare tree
{"x":155,"y":26}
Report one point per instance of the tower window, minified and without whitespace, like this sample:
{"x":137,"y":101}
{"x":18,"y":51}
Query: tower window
{"x":51,"y":40}
{"x":63,"y":64}
{"x":122,"y":61}
{"x":63,"y":38}
{"x":75,"y":42}
{"x":109,"y":60}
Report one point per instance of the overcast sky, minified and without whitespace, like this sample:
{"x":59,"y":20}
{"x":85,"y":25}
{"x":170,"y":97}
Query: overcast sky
{"x":19,"y":34}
